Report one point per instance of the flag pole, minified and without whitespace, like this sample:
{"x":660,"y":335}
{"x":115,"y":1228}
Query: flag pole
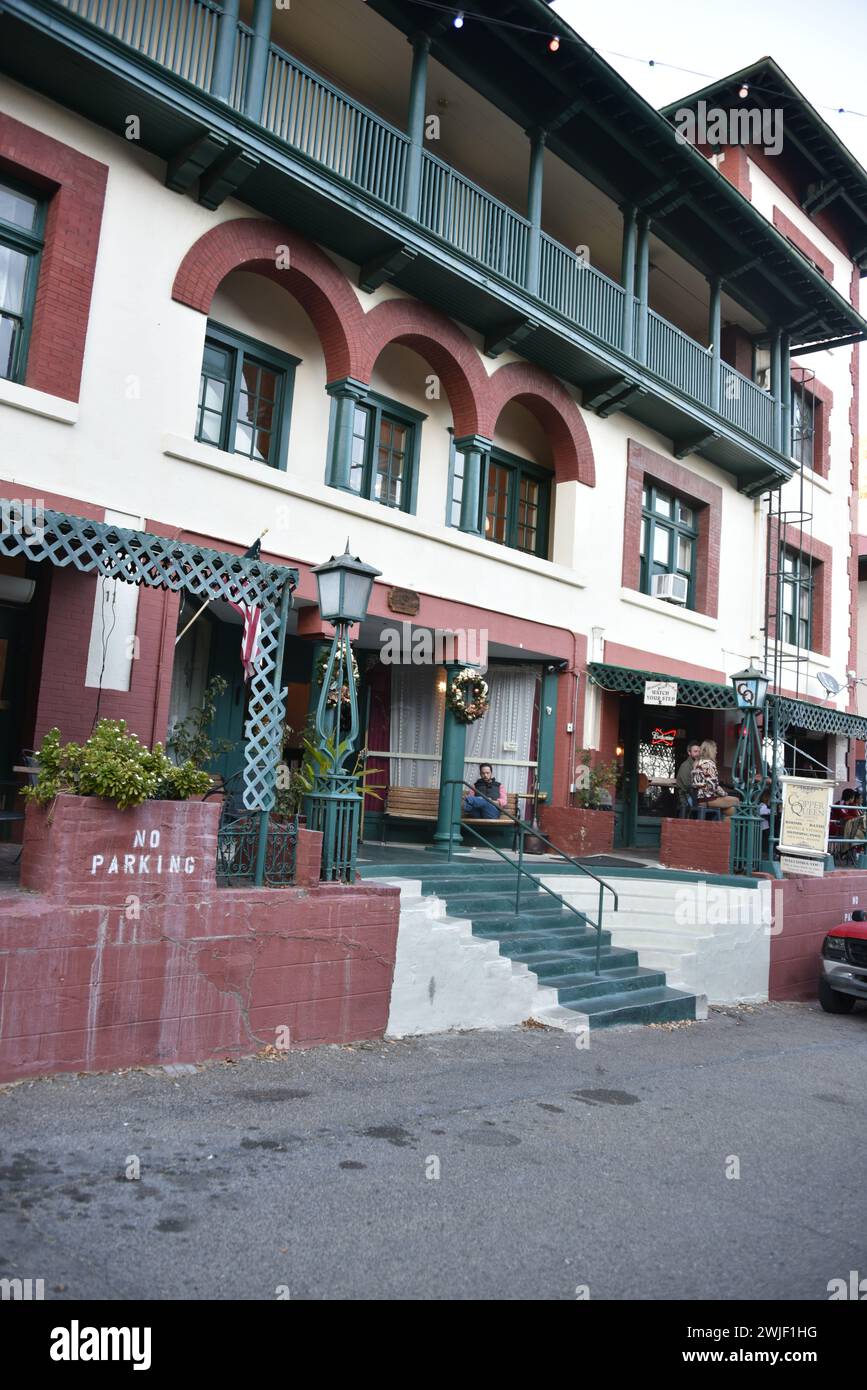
{"x":200,"y":611}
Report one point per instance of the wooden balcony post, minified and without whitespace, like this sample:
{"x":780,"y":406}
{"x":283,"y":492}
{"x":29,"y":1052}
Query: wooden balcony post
{"x":415,"y":122}
{"x":257,"y":69}
{"x":642,"y":276}
{"x":534,"y":206}
{"x":776,"y":386}
{"x":786,"y":396}
{"x":714,"y":331}
{"x":221,"y":80}
{"x":627,"y":276}
{"x":473,"y":447}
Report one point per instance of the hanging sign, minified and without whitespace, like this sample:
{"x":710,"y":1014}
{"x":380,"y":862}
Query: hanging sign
{"x":660,"y":692}
{"x":806,"y":811}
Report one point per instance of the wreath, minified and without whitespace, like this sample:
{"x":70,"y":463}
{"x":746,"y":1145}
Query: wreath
{"x":467,"y":697}
{"x":322,"y":667}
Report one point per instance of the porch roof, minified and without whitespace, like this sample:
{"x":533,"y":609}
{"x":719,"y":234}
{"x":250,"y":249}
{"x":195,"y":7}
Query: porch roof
{"x":790,"y":712}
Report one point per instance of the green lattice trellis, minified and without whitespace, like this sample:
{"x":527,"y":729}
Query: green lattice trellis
{"x":706,"y":695}
{"x":159,"y":562}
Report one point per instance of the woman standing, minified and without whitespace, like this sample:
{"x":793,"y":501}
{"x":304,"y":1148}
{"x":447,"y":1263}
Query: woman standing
{"x":706,"y":787}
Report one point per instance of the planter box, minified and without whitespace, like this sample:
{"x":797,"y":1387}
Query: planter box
{"x":578,"y":831}
{"x":82,"y":849}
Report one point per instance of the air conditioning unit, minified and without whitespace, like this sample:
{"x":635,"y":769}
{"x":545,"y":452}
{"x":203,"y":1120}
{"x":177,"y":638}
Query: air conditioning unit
{"x":674,"y":588}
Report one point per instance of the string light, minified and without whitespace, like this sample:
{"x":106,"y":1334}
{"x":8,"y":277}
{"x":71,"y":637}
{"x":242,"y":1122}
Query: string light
{"x":577,"y":41}
{"x":743,"y":91}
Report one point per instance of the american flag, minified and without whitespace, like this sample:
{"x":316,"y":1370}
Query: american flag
{"x":252,"y":616}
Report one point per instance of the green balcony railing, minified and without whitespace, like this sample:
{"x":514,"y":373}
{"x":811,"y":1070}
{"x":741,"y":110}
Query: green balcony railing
{"x":454,"y":208}
{"x":746,"y":405}
{"x":581,"y":293}
{"x":678,"y":358}
{"x":180,"y":35}
{"x":328,"y":127}
{"x":336,"y":132}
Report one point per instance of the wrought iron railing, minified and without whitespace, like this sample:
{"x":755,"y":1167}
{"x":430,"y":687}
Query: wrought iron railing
{"x":678,"y":358}
{"x":579,"y":292}
{"x":181,"y":35}
{"x":334,"y":808}
{"x":237,"y":845}
{"x":474,"y":222}
{"x":325,"y":125}
{"x":746,"y":405}
{"x":522,"y":829}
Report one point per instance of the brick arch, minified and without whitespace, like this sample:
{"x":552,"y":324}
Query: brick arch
{"x":435,"y":338}
{"x":320,"y":288}
{"x":556,"y":412}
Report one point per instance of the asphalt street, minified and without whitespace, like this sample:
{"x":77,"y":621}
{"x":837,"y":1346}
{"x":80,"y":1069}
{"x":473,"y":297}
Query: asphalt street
{"x":479,"y":1165}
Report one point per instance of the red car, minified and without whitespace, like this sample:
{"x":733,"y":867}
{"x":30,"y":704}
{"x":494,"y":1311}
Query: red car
{"x":844,"y":966}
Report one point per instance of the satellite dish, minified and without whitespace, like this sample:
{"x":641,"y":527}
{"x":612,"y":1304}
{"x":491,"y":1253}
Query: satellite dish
{"x":828,"y":682}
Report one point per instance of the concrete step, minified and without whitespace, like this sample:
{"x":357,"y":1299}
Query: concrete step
{"x":658,"y":1005}
{"x":583,"y":985}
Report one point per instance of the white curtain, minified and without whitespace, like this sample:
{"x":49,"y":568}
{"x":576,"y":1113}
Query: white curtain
{"x":417,"y":708}
{"x":512,"y":692}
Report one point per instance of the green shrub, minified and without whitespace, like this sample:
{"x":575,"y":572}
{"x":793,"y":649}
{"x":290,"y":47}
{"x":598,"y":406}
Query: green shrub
{"x":115,"y":765}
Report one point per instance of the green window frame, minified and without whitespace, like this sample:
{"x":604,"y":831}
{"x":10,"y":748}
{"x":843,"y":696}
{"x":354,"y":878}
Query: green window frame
{"x":386,"y":442}
{"x":669,"y":538}
{"x":796,"y":599}
{"x":515,"y":502}
{"x":245,"y":397}
{"x":22,"y":226}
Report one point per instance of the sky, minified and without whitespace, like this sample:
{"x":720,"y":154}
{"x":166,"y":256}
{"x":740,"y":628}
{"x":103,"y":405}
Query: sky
{"x":821,"y":44}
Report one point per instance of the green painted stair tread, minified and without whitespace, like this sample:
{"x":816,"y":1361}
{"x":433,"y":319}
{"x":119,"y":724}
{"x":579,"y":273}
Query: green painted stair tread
{"x":661,"y":1005}
{"x":584,"y":985}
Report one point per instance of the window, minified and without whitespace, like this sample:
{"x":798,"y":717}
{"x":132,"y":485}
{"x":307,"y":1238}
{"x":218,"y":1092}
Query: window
{"x":21,"y":218}
{"x":669,"y":532}
{"x":245,"y":397}
{"x":385,"y":445}
{"x":803,"y":426}
{"x":515,"y":502}
{"x":796,"y":599}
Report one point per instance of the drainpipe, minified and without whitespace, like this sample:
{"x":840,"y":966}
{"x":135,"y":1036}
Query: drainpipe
{"x":786,"y":395}
{"x":642,"y":276}
{"x":415,"y":123}
{"x":534,"y":207}
{"x":776,"y":386}
{"x":221,"y":78}
{"x":714,"y":330}
{"x":627,"y":276}
{"x":257,"y":70}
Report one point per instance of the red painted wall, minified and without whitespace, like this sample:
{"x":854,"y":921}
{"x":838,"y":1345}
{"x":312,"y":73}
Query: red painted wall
{"x":805,"y":909}
{"x":104,"y":970}
{"x":695,"y":844}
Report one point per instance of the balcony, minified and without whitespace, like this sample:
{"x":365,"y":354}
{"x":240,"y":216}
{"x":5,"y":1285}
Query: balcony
{"x":349,"y":187}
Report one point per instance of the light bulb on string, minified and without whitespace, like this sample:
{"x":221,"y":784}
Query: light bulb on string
{"x":554,"y":45}
{"x":743,"y":91}
{"x":458,"y":20}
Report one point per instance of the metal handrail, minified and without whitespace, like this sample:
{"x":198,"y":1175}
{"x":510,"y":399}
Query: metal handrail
{"x":522,"y":827}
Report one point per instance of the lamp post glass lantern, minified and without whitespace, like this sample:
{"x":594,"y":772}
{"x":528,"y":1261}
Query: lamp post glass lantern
{"x":344,"y":585}
{"x":748,"y":773}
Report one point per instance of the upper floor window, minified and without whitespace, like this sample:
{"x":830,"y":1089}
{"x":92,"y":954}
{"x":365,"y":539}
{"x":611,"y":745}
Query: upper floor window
{"x":385,"y":446}
{"x":669,"y":532}
{"x":245,"y":397}
{"x":515,"y":501}
{"x":796,"y":599}
{"x":21,"y":219}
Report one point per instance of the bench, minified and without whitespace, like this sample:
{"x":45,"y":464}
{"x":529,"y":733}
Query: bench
{"x":422,"y":803}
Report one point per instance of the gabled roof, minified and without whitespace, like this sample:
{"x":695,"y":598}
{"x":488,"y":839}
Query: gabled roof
{"x":599,"y":124}
{"x":832,"y":176}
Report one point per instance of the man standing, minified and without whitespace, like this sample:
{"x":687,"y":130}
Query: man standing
{"x":684,"y":780}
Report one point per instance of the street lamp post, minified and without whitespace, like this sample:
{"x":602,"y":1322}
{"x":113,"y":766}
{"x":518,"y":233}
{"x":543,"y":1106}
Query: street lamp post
{"x":344,"y":585}
{"x":748,"y":774}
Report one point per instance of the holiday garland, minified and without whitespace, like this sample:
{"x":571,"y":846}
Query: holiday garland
{"x":467,"y":697}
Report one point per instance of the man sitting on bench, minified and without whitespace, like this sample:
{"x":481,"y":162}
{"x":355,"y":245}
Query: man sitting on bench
{"x":488,"y":798}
